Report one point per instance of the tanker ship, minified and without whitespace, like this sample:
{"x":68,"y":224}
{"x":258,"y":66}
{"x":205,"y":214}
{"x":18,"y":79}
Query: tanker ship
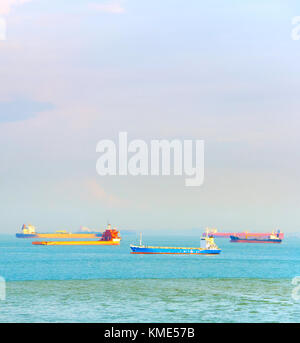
{"x":215,"y":233}
{"x":207,"y":247}
{"x":29,"y":231}
{"x":109,"y":237}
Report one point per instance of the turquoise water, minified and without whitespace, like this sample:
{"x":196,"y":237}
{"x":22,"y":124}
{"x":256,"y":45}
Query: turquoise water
{"x":246,"y":283}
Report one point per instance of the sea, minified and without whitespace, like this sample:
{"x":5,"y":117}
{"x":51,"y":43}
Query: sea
{"x":84,"y":284}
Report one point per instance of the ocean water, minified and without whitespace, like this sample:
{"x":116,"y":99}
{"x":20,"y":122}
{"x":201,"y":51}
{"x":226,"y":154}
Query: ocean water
{"x":245,"y":283}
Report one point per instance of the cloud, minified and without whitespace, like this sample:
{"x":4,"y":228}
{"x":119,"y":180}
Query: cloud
{"x":6,"y":5}
{"x":21,"y":109}
{"x":95,"y":191}
{"x":110,"y":7}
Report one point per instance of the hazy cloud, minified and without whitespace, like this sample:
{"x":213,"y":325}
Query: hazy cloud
{"x":20,"y":109}
{"x":110,"y":7}
{"x":96,"y":192}
{"x":7,"y":5}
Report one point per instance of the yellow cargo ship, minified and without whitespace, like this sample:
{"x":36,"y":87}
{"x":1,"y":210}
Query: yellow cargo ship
{"x":109,"y":237}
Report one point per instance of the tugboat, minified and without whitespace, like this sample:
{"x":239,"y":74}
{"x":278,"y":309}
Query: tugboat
{"x":207,"y":247}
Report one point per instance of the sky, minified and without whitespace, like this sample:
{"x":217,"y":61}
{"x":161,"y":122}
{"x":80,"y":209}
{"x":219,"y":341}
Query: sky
{"x":76,"y":72}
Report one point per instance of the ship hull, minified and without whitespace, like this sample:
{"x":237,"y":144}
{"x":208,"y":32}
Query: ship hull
{"x":228,"y":234}
{"x":76,"y":243}
{"x":25,"y":235}
{"x":59,"y":235}
{"x":175,"y":250}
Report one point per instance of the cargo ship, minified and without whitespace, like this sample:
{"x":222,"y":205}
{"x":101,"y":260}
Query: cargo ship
{"x":29,"y":231}
{"x":207,"y":247}
{"x":216,"y":234}
{"x":109,"y":237}
{"x":273,"y":238}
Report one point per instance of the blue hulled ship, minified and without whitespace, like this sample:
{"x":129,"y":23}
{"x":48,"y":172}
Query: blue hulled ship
{"x":207,"y":247}
{"x":28,"y":231}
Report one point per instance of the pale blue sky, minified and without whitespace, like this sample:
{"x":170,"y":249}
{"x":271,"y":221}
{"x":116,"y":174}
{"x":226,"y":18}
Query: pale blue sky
{"x":75,"y":72}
